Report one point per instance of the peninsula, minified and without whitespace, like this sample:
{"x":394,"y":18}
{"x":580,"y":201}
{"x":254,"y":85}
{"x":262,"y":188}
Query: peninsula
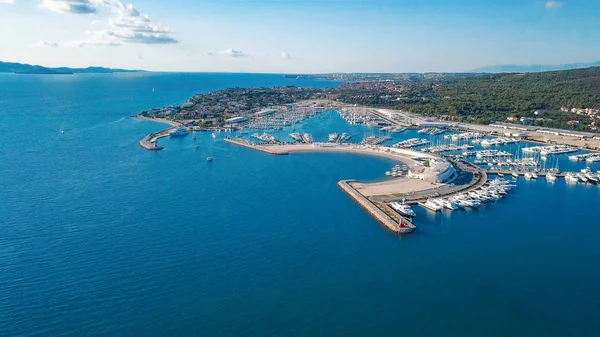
{"x":23,"y":68}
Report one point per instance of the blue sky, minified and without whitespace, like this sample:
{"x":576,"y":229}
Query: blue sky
{"x":299,"y":36}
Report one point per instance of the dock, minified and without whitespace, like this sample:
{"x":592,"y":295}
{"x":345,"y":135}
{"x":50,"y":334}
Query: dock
{"x":380,"y":211}
{"x":149,"y":143}
{"x":253,"y":146}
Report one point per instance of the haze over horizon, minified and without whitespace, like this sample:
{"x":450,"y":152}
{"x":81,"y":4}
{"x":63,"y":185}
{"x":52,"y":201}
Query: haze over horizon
{"x":298,"y":36}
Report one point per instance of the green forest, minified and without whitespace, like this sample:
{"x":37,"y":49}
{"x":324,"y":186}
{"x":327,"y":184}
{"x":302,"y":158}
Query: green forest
{"x":490,"y":97}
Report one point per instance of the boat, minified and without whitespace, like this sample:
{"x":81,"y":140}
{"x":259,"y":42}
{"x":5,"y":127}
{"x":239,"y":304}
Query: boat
{"x":213,"y":135}
{"x":209,"y":159}
{"x":432,"y":206}
{"x":534,"y":175}
{"x":307,"y":138}
{"x":571,"y":178}
{"x":515,"y":174}
{"x":333,"y":137}
{"x":179,"y":132}
{"x":550,"y":177}
{"x":528,"y":176}
{"x":450,"y":205}
{"x":296,"y":136}
{"x":582,"y":177}
{"x":403,"y":209}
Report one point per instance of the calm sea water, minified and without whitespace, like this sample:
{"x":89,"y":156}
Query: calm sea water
{"x":99,"y":237}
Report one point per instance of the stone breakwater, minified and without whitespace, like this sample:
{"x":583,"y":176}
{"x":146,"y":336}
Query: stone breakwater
{"x":402,"y":227}
{"x":265,"y":149}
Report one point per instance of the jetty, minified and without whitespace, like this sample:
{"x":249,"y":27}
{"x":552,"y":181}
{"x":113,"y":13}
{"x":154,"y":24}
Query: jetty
{"x":380,"y":211}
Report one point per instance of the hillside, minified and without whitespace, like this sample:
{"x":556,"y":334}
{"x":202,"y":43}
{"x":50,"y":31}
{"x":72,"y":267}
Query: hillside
{"x":497,"y":96}
{"x":22,"y":68}
{"x":513,"y":68}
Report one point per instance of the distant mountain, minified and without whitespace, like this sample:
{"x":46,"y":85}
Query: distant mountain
{"x":534,"y":68}
{"x":21,"y":68}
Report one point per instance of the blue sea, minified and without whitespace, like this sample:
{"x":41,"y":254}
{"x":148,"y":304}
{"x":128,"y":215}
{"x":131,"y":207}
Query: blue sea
{"x":100,"y":237}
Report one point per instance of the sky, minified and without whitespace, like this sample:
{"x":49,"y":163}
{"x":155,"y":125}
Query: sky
{"x":299,"y":36}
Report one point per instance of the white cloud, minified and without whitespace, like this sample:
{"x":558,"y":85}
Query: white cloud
{"x":128,"y":24}
{"x":233,"y":53}
{"x":553,"y":5}
{"x":44,"y":44}
{"x":133,"y":27}
{"x":7,"y":2}
{"x":71,"y":6}
{"x":285,"y":56}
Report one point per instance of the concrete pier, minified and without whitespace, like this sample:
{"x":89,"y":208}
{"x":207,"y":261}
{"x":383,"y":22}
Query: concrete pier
{"x":394,"y":223}
{"x":148,"y":143}
{"x":261,"y":148}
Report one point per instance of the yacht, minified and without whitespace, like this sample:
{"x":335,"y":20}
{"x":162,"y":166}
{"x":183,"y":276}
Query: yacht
{"x":571,"y":178}
{"x":209,"y":159}
{"x":447,"y":204}
{"x":429,"y":204}
{"x":515,"y":174}
{"x":528,"y":176}
{"x":179,"y":132}
{"x":403,"y":209}
{"x":534,"y":175}
{"x":333,"y":137}
{"x":214,"y":135}
{"x":582,"y":177}
{"x":551,"y":177}
{"x":296,"y":136}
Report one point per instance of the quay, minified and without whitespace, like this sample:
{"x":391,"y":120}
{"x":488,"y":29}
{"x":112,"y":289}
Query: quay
{"x":149,"y":142}
{"x":261,"y":148}
{"x":380,"y":211}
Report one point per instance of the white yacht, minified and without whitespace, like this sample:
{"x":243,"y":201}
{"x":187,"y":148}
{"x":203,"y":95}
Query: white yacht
{"x":403,"y":209}
{"x":571,"y":178}
{"x":296,"y":136}
{"x":528,"y":176}
{"x":550,"y":177}
{"x":447,"y":204}
{"x":179,"y":132}
{"x":534,"y":175}
{"x":430,"y":204}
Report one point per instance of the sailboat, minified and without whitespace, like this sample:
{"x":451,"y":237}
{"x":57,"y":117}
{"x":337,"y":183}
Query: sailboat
{"x":214,"y":135}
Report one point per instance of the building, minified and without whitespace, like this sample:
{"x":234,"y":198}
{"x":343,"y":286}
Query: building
{"x":510,"y":126}
{"x":236,"y":120}
{"x":266,"y":112}
{"x":440,"y":125}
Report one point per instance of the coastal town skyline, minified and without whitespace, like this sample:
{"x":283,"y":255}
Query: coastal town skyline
{"x":297,"y":37}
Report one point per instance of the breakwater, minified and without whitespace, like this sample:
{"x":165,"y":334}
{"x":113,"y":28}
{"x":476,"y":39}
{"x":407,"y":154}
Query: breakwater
{"x":397,"y":225}
{"x":247,"y":144}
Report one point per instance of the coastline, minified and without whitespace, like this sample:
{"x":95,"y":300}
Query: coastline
{"x":159,"y":120}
